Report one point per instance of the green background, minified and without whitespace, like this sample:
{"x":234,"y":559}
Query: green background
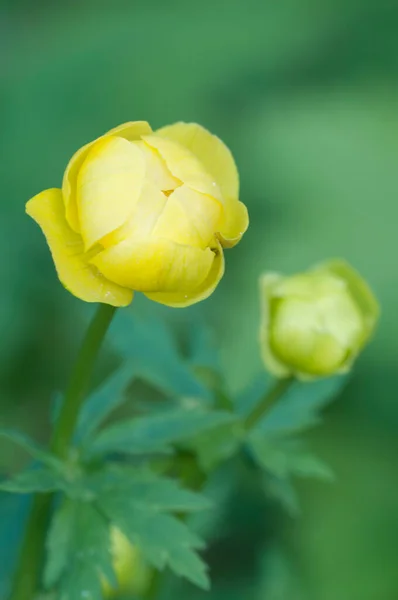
{"x":305,"y":93}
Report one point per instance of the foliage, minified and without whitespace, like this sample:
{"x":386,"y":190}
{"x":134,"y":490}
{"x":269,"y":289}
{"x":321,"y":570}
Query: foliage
{"x":116,"y":476}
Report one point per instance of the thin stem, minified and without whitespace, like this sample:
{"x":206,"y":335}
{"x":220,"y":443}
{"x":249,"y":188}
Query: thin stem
{"x":80,"y":379}
{"x":27,"y":576}
{"x":280,"y":387}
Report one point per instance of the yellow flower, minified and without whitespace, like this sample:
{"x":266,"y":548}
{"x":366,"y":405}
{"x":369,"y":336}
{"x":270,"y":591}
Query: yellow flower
{"x":132,"y":574}
{"x":144,"y":211}
{"x":314,"y":324}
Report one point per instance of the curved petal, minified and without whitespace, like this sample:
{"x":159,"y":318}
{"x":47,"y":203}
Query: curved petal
{"x":189,"y":217}
{"x":272,"y":364}
{"x":130,"y":131}
{"x":156,"y":169}
{"x":155,"y":265}
{"x":235,"y":223}
{"x":210,"y":150}
{"x":142,"y":220}
{"x":109,"y":184}
{"x":180,"y":299}
{"x":359,"y":290}
{"x":185,"y":166}
{"x":66,"y":246}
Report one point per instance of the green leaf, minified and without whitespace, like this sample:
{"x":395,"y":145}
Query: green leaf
{"x":299,"y":407}
{"x":283,"y":491}
{"x":146,"y":489}
{"x":106,"y":398}
{"x":32,"y":448}
{"x":283,"y":457}
{"x":40,"y":479}
{"x":59,"y":543}
{"x":217,"y":445}
{"x":248,"y":399}
{"x":138,"y":502}
{"x":147,"y":341}
{"x":81,"y":536}
{"x":156,"y":433}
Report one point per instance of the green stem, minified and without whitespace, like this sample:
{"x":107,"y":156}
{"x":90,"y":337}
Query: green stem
{"x":280,"y":387}
{"x":80,"y":379}
{"x":27,"y":576}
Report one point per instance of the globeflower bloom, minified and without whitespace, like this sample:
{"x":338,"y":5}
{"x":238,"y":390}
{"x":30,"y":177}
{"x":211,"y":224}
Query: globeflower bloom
{"x":144,"y":211}
{"x":314,"y":324}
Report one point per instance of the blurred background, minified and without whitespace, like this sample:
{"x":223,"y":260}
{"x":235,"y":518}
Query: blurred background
{"x":306,"y":96}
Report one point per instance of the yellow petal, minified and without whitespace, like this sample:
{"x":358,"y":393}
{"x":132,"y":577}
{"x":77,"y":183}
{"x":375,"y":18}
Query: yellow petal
{"x":66,"y":246}
{"x":129,"y":131}
{"x":234,"y":224}
{"x":210,"y":150}
{"x":268,"y":281}
{"x":142,"y":220}
{"x":203,"y":291}
{"x":220,"y":165}
{"x":69,"y":186}
{"x":155,"y":265}
{"x":189,"y":218}
{"x":109,"y":184}
{"x":156,"y":169}
{"x":185,"y":166}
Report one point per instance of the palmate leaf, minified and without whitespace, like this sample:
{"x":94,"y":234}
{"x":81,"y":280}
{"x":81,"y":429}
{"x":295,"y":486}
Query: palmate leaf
{"x":139,"y":503}
{"x":156,"y":433}
{"x":47,"y":475}
{"x":283,"y":457}
{"x":299,"y":407}
{"x":78,"y":552}
{"x":39,"y":479}
{"x":145,"y":489}
{"x":147,"y":341}
{"x":105,"y":399}
{"x":31,"y":447}
{"x":301,"y":404}
{"x":59,"y":542}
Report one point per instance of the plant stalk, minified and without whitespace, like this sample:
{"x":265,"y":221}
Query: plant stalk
{"x":28,"y":572}
{"x":278,"y":389}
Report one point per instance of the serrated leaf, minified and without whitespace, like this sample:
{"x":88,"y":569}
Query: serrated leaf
{"x":156,"y":433}
{"x":40,"y":479}
{"x":217,"y":445}
{"x":248,"y":399}
{"x":145,"y":489}
{"x":89,"y":556}
{"x":138,"y":502}
{"x":148,"y":342}
{"x":83,"y":582}
{"x":160,"y":537}
{"x":59,"y":543}
{"x":284,"y":492}
{"x":191,"y":566}
{"x":105,"y":399}
{"x":32,"y":448}
{"x":300,"y":406}
{"x":283,"y":457}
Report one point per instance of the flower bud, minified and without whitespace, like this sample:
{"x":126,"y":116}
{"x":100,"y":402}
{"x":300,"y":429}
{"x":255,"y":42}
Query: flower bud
{"x":314,"y":324}
{"x":131,"y":573}
{"x":144,"y":211}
